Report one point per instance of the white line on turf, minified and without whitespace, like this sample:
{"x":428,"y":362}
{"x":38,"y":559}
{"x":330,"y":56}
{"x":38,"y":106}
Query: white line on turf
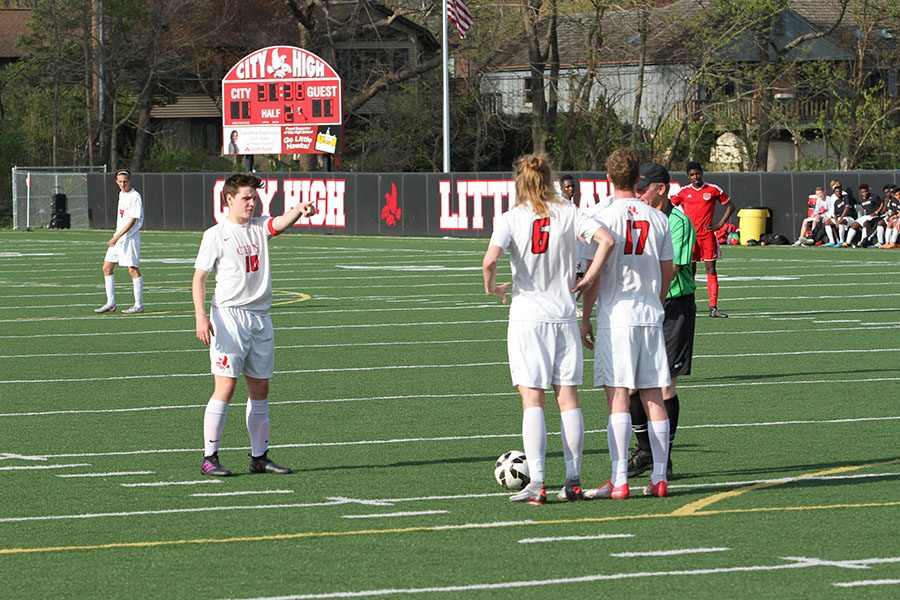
{"x":341,"y":501}
{"x":867,"y":582}
{"x":575,"y":538}
{"x":247,"y":493}
{"x":22,"y":457}
{"x":669,"y":552}
{"x":44,"y":467}
{"x":794,"y":563}
{"x":113,"y":474}
{"x":168,"y":483}
{"x":411,"y":513}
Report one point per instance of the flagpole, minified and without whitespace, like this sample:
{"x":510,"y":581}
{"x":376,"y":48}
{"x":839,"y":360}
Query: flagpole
{"x":446,"y":62}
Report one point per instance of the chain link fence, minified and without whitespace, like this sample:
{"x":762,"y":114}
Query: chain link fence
{"x":33,"y":189}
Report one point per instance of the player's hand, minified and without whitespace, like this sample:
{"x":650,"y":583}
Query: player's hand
{"x":500,"y":291}
{"x":112,"y":242}
{"x":587,"y":335}
{"x":308,"y":210}
{"x":204,"y":330}
{"x":581,"y":286}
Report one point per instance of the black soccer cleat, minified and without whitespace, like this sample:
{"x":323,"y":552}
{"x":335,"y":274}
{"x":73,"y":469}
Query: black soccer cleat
{"x":262,"y":464}
{"x":716,"y":313}
{"x":641,"y":461}
{"x":571,"y":492}
{"x":212,"y":467}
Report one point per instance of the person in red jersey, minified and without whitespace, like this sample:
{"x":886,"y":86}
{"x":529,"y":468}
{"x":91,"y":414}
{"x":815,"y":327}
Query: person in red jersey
{"x":698,"y":201}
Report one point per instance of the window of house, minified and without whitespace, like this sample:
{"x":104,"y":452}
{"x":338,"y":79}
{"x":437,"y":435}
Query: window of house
{"x":529,"y":85}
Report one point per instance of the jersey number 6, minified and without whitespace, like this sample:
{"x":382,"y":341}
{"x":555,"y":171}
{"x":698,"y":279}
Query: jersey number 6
{"x":630,"y":246}
{"x":540,"y":238}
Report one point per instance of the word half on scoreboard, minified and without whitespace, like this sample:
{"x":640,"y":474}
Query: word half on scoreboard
{"x":281,"y":100}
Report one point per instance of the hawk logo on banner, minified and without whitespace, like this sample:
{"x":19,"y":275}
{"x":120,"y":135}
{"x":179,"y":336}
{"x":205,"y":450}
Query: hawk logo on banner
{"x":458,"y":12}
{"x":391,"y":212}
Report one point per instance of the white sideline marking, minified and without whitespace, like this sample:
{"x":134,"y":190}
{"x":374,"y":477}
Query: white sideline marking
{"x":411,"y":513}
{"x":247,"y":493}
{"x":43,"y":467}
{"x":344,"y":500}
{"x":167,"y":483}
{"x":575,"y":538}
{"x":669,"y":552}
{"x":115,"y":474}
{"x":867,"y":582}
{"x":22,"y":457}
{"x":454,"y":438}
{"x":780,"y":480}
{"x":794,"y":563}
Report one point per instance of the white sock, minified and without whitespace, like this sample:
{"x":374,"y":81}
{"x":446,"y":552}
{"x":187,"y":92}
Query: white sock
{"x":829,"y":231}
{"x":213,"y":424}
{"x":534,"y":437}
{"x":258,"y":426}
{"x":842,"y":232}
{"x":618,"y":434}
{"x":138,"y":283}
{"x":895,"y":233}
{"x":659,"y":446}
{"x":110,"y":282}
{"x":879,"y":231}
{"x":850,"y":235}
{"x":572,"y":432}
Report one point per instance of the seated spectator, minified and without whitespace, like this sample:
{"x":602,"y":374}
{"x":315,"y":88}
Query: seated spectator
{"x":892,"y":219}
{"x":869,"y":207}
{"x":819,"y":208}
{"x":841,"y":212}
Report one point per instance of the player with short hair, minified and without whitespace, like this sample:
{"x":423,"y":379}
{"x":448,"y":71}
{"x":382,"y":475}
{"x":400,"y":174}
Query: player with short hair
{"x":892,"y":219}
{"x":540,"y":233}
{"x":680,"y":316}
{"x":698,"y":200}
{"x":124,"y":247}
{"x":869,"y":210}
{"x":630,"y":348}
{"x":238,"y":329}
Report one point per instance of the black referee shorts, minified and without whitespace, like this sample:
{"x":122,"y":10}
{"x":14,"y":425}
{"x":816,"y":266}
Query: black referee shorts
{"x":678,"y":330}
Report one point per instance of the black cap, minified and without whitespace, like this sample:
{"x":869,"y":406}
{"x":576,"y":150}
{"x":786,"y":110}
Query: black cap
{"x":652,"y":173}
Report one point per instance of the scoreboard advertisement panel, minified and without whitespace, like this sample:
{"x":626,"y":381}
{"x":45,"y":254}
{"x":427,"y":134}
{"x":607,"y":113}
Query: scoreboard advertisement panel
{"x":281,"y":100}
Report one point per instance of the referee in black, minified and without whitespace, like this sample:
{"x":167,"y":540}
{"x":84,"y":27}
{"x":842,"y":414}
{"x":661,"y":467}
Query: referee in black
{"x":681,"y":315}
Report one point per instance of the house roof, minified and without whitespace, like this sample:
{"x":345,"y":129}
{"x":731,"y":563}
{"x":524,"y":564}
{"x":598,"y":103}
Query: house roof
{"x":13,"y":24}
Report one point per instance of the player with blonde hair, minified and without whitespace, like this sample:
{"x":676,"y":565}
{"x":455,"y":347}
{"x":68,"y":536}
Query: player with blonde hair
{"x":540,"y":233}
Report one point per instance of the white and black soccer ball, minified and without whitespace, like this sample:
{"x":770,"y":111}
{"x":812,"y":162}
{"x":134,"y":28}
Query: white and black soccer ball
{"x":511,"y":470}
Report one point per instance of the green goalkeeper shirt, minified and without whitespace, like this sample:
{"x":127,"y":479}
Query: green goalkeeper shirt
{"x":683,"y":239}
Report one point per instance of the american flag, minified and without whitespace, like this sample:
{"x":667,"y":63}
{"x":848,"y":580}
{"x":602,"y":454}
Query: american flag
{"x":458,"y":12}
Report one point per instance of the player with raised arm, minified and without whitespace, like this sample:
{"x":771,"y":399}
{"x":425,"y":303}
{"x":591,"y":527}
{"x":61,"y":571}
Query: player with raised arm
{"x":698,"y":200}
{"x":540,"y":233}
{"x":238,"y":329}
{"x":124,"y":247}
{"x":630,"y":349}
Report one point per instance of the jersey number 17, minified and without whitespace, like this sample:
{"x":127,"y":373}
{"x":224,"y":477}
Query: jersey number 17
{"x":633,"y":246}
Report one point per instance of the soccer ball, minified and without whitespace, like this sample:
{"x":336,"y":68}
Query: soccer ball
{"x":511,"y":470}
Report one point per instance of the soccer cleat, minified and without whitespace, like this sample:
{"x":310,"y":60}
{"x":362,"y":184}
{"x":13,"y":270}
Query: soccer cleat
{"x":211,"y":466}
{"x":530,"y":496}
{"x":133,"y":310}
{"x":640,"y":461}
{"x":659,"y":489}
{"x":830,"y":245}
{"x":888,"y":246}
{"x":798,"y":243}
{"x":608,"y":490}
{"x":845,"y":245}
{"x":262,"y":464}
{"x":571,"y":492}
{"x":716,"y":313}
{"x":108,"y":307}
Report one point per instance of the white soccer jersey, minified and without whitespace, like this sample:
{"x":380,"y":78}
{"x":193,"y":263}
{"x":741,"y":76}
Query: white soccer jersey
{"x":130,"y":207}
{"x":630,"y":281}
{"x":542,"y":254}
{"x":240,"y":256}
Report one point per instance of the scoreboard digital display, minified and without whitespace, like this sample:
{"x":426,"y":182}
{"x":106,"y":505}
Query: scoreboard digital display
{"x":269,"y":93}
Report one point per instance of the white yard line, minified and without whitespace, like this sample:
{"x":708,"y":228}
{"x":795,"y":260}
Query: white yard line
{"x":168,"y":483}
{"x":575,"y":538}
{"x":44,"y":467}
{"x":113,"y":474}
{"x":247,"y":493}
{"x":411,"y":513}
{"x":867,"y":582}
{"x":669,"y":552}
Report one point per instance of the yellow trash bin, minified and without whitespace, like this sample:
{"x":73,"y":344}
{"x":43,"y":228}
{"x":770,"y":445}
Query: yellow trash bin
{"x":752,"y":223}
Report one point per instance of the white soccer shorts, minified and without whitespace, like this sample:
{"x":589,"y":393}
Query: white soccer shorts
{"x":542,"y":355}
{"x":126,"y":252}
{"x":631,"y":357}
{"x":244,"y":342}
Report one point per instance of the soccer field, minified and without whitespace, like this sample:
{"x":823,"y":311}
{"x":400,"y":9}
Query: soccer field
{"x":392,"y":399}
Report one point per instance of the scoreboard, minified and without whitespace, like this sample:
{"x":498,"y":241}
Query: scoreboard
{"x":280,"y":100}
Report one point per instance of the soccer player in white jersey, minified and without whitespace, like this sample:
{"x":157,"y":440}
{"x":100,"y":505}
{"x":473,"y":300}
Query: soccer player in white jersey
{"x":124,"y":247}
{"x":238,"y":330}
{"x":630,"y":348}
{"x":541,"y":232}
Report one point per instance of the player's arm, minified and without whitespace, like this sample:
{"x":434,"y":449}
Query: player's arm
{"x":605,"y":243}
{"x":198,"y":294}
{"x":302,"y":209}
{"x":729,"y":210}
{"x":120,"y":232}
{"x":489,"y":273}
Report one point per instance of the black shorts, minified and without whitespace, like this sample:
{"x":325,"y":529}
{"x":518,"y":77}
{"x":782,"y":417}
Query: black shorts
{"x":678,"y":329}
